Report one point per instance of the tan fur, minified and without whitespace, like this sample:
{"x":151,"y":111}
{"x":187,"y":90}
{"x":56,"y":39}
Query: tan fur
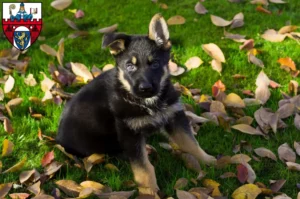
{"x":150,"y":58}
{"x":122,"y":79}
{"x":190,"y":145}
{"x":117,"y":46}
{"x":152,"y":33}
{"x":144,"y":175}
{"x":133,"y":60}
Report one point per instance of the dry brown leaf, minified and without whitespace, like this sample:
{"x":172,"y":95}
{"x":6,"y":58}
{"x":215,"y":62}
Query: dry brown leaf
{"x":240,"y":159}
{"x":7,"y":126}
{"x":274,"y":84}
{"x":9,"y":84}
{"x":247,"y":129}
{"x":181,"y":183}
{"x":71,"y":24}
{"x":297,"y":121}
{"x":195,"y":118}
{"x":27,"y":175}
{"x":35,"y":188}
{"x":48,"y":50}
{"x":81,"y":70}
{"x":263,"y":152}
{"x":97,"y":187}
{"x":287,"y":29}
{"x":273,"y":36}
{"x":176,"y":20}
{"x":286,"y":153}
{"x":234,"y":37}
{"x":120,"y":194}
{"x":293,"y":166}
{"x":47,"y":83}
{"x":107,"y":67}
{"x":247,"y":45}
{"x":262,"y":79}
{"x":253,"y":59}
{"x":277,"y":185}
{"x":184,"y":195}
{"x":85,"y":193}
{"x":286,"y":110}
{"x":233,"y":100}
{"x":218,"y":21}
{"x":262,"y":2}
{"x":4,"y":189}
{"x":217,"y":106}
{"x":277,"y":1}
{"x":163,"y":6}
{"x":29,"y":80}
{"x":111,"y":167}
{"x":248,"y":191}
{"x":14,"y":102}
{"x":190,"y":161}
{"x":214,"y":51}
{"x":43,"y":196}
{"x":228,"y":175}
{"x":61,"y":4}
{"x":16,"y":167}
{"x":293,"y":87}
{"x":193,"y":62}
{"x":238,"y":21}
{"x":208,"y":183}
{"x":7,"y":147}
{"x":263,"y":10}
{"x":251,"y":174}
{"x":262,"y":93}
{"x":47,"y":158}
{"x":216,"y":65}
{"x":79,"y":33}
{"x":288,"y":62}
{"x":245,"y":120}
{"x":69,"y":187}
{"x":242,"y":173}
{"x":109,"y":29}
{"x":19,"y":195}
{"x":200,"y":9}
{"x":92,"y":160}
{"x":61,"y":52}
{"x":52,"y":168}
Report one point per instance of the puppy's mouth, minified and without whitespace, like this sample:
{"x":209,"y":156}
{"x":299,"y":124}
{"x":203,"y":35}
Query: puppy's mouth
{"x":146,"y":94}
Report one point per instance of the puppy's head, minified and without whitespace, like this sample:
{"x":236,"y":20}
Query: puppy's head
{"x":142,"y":61}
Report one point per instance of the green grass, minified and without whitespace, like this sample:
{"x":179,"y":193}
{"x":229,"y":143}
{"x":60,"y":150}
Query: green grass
{"x":133,"y":17}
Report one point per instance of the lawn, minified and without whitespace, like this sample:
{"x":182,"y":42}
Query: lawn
{"x":132,"y":17}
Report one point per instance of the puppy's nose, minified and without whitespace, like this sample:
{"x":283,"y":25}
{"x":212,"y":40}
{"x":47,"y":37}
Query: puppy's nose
{"x":145,"y":87}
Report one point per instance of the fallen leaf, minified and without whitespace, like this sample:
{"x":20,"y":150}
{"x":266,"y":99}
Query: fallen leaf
{"x":26,"y":175}
{"x":245,"y":120}
{"x":97,"y":187}
{"x":48,"y":50}
{"x":286,"y":153}
{"x":92,"y":160}
{"x":61,"y":4}
{"x":200,"y":9}
{"x":228,"y":175}
{"x":14,"y":102}
{"x":253,"y":59}
{"x":262,"y":2}
{"x":79,"y":14}
{"x":262,"y":93}
{"x":216,"y":65}
{"x":242,"y":173}
{"x":181,"y":183}
{"x":286,"y":110}
{"x":82,"y":71}
{"x":163,"y":6}
{"x":247,"y":45}
{"x":111,"y":167}
{"x":109,"y":29}
{"x":239,"y":76}
{"x":217,"y":106}
{"x":240,"y":159}
{"x":273,"y":36}
{"x":19,"y":195}
{"x":234,"y":37}
{"x":69,"y":187}
{"x":195,"y":118}
{"x":263,"y":10}
{"x":248,"y":191}
{"x":193,"y":62}
{"x":282,"y":196}
{"x":7,"y":126}
{"x":214,"y":51}
{"x":288,"y":62}
{"x":297,"y":121}
{"x":184,"y":195}
{"x":85,"y":193}
{"x":43,"y":196}
{"x":52,"y":168}
{"x":277,"y":1}
{"x":9,"y":84}
{"x":218,"y":21}
{"x":176,"y":20}
{"x":4,"y":189}
{"x":287,"y":29}
{"x":293,"y":166}
{"x":220,"y":85}
{"x":233,"y":100}
{"x":30,"y":81}
{"x":293,"y":87}
{"x":263,"y":152}
{"x":277,"y":185}
{"x":120,"y":194}
{"x":274,"y":84}
{"x":35,"y":188}
{"x":107,"y":67}
{"x":47,"y":158}
{"x":262,"y":79}
{"x":61,"y":52}
{"x":223,"y":162}
{"x":7,"y":147}
{"x":78,"y":34}
{"x":248,"y":92}
{"x":238,"y":21}
{"x":16,"y":167}
{"x":47,"y":83}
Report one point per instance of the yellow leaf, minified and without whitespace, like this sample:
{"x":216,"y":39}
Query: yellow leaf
{"x":72,"y":10}
{"x":16,"y":167}
{"x":248,"y":191}
{"x":7,"y":148}
{"x":210,"y":183}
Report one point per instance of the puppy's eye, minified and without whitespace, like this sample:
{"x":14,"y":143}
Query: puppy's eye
{"x":155,"y":65}
{"x":130,"y":67}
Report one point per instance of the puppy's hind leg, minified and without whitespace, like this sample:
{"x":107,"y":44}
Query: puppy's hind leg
{"x":179,"y":131}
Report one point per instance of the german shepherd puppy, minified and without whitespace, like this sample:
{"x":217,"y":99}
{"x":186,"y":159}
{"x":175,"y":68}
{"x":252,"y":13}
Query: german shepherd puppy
{"x":117,"y":110}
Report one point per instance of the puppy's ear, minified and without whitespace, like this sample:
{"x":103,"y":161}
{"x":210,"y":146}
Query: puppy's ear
{"x":158,"y":31}
{"x":116,"y":42}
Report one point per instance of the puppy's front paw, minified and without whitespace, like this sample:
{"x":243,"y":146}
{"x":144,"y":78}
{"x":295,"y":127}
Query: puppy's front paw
{"x":149,"y":192}
{"x":210,"y":160}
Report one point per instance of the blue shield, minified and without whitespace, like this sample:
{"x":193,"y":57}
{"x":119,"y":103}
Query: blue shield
{"x":22,"y":39}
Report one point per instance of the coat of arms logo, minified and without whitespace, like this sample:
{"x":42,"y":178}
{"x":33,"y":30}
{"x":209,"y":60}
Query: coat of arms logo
{"x":22,"y":23}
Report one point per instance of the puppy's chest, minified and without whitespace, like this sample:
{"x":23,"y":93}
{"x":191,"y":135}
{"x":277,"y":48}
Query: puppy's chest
{"x":150,"y":116}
